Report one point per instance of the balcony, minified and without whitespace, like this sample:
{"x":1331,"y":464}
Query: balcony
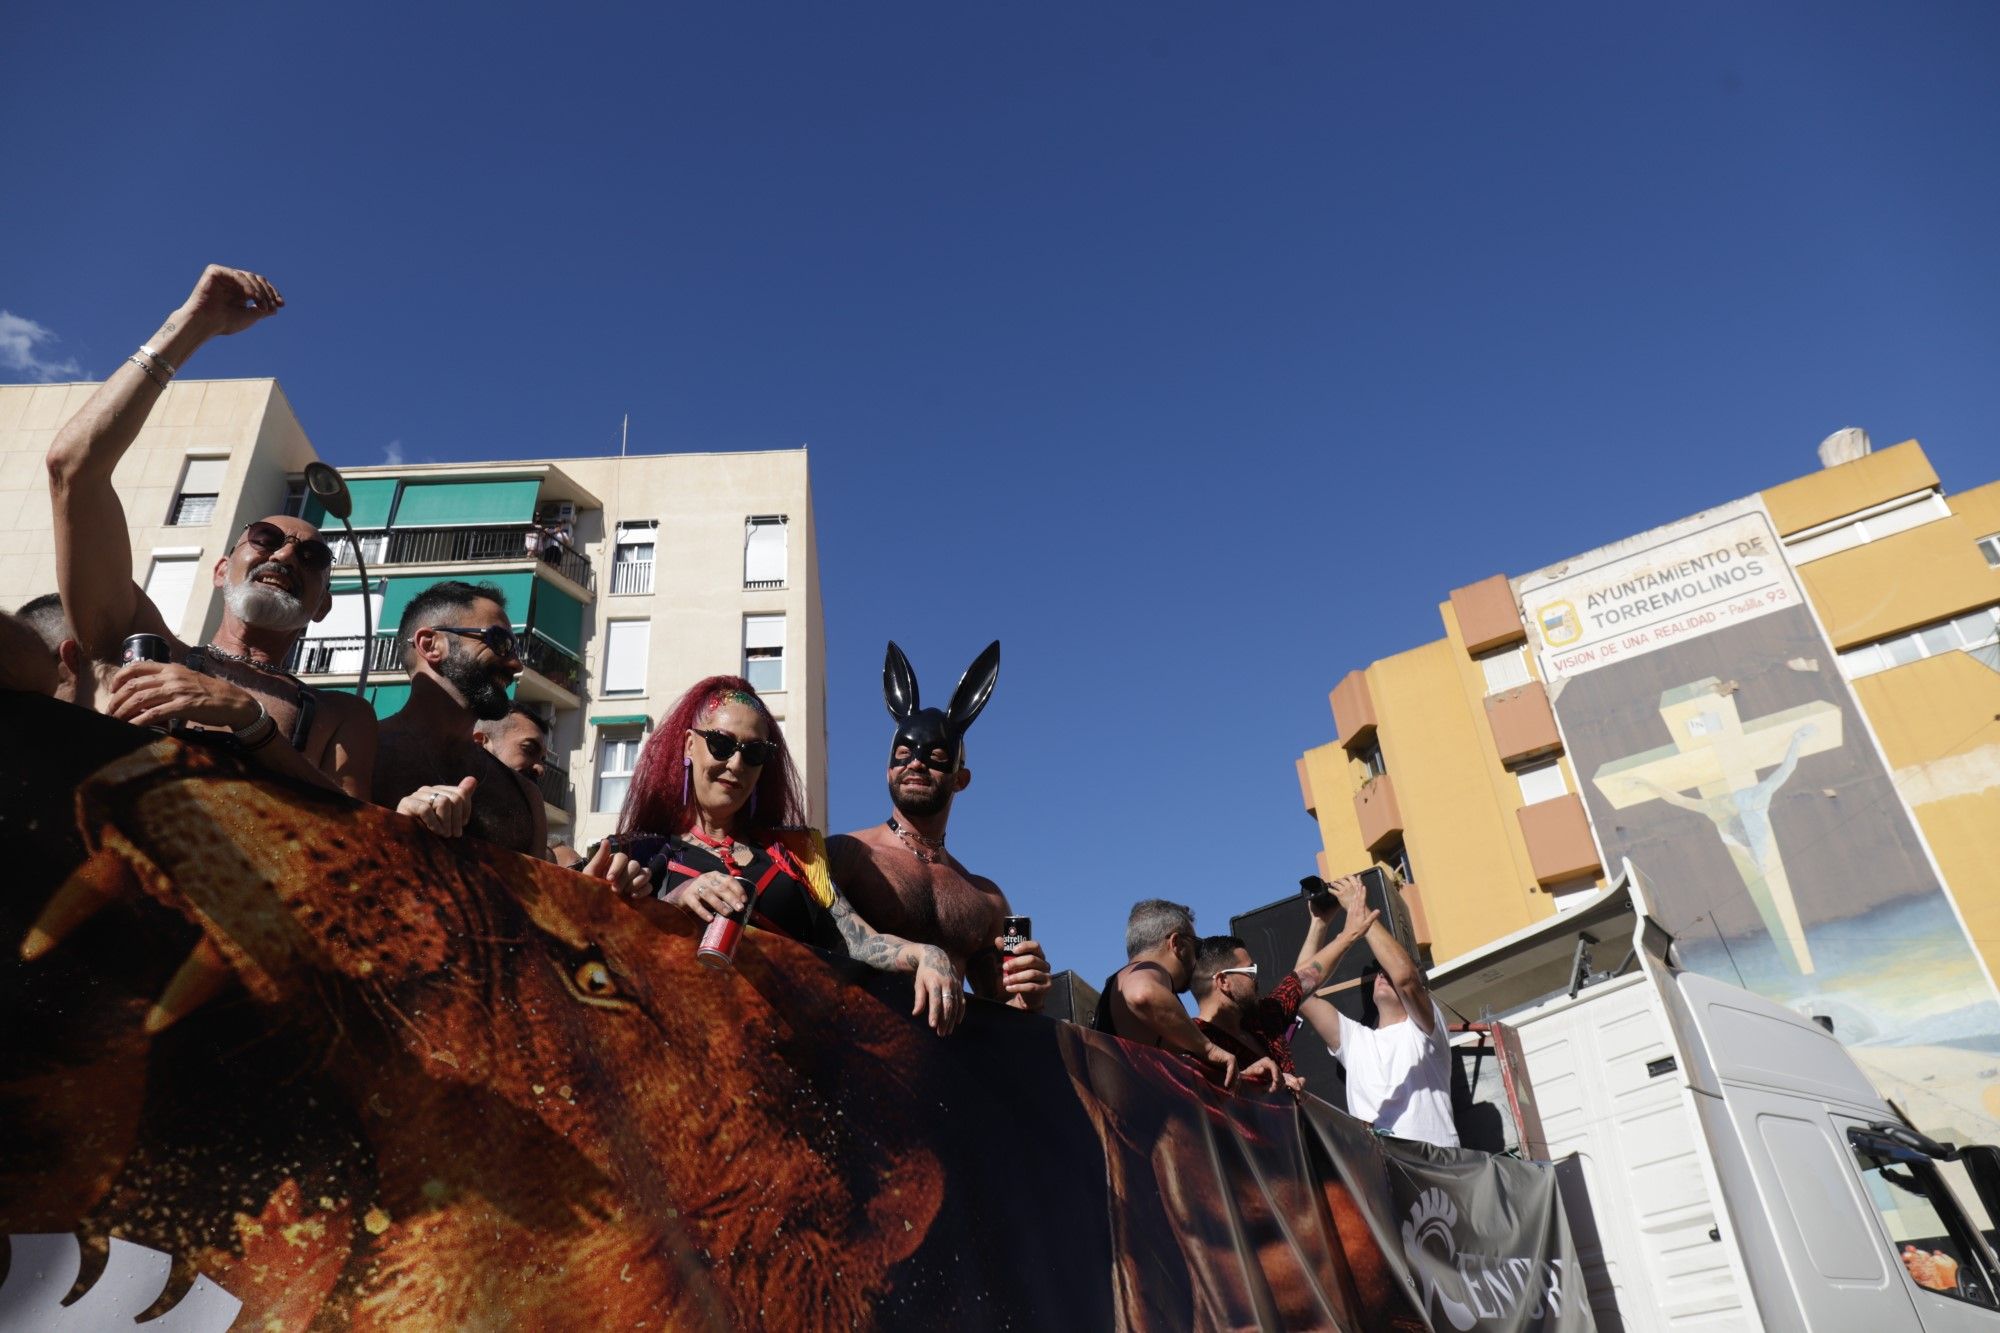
{"x":1523,"y":724}
{"x":1376,"y":810}
{"x":554,"y":782}
{"x":553,"y":675}
{"x":465,"y":546}
{"x":631,"y":576}
{"x":342,"y":657}
{"x":1558,"y":836}
{"x":549,"y":664}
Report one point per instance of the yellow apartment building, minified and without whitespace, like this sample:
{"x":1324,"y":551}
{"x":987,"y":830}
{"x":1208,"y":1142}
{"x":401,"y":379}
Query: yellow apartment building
{"x":1785,"y":711}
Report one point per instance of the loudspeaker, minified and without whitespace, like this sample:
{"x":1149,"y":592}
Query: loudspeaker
{"x":1071,"y":998}
{"x":1273,"y":934}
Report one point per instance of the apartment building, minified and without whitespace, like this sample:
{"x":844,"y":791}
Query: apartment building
{"x":628,"y":578}
{"x":1783,"y":711}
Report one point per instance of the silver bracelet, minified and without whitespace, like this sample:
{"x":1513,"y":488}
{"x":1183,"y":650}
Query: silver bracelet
{"x":258,"y":732}
{"x":164,"y":364}
{"x":147,"y":370}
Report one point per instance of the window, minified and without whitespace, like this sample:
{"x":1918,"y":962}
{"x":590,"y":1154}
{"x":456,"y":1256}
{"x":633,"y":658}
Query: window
{"x":1990,"y":548}
{"x":617,"y":758}
{"x":1974,"y":632}
{"x":1918,"y":1212}
{"x":764,"y":653}
{"x":764,"y":552}
{"x":1872,"y":524}
{"x":295,"y":499}
{"x":625,"y":644}
{"x":1541,"y":782}
{"x":1396,"y":856}
{"x":168,"y":584}
{"x":201,"y":484}
{"x":1370,"y":758}
{"x":632,"y":557}
{"x":333,"y":646}
{"x":1506,"y":669}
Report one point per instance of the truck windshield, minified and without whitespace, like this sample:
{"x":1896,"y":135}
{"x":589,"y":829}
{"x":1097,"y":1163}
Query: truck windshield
{"x":1923,"y":1222}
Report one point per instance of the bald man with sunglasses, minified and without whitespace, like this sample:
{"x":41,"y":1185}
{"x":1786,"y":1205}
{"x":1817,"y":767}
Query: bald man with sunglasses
{"x":274,"y":575}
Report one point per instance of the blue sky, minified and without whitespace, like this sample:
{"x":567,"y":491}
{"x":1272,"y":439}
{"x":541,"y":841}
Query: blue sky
{"x":1195,"y":352}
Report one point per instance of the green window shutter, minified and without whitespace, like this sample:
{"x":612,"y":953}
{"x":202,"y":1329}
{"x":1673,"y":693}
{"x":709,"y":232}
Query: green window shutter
{"x":444,"y":504}
{"x":558,"y":616}
{"x":517,"y":588}
{"x":372,"y":498}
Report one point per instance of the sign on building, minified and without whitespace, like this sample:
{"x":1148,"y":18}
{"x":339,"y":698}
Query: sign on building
{"x":1720,"y":749}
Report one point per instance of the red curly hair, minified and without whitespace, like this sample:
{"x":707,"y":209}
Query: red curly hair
{"x":654,"y":803}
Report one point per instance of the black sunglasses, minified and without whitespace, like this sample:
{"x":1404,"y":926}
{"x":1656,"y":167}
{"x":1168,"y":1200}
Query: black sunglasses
{"x":501,"y":641}
{"x":269,"y":538}
{"x":721,"y":744}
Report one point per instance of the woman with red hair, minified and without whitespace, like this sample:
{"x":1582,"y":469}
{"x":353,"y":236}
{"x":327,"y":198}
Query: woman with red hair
{"x":715,"y":804}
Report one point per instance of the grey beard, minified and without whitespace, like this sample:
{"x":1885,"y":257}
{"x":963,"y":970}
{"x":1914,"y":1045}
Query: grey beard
{"x":485,"y":696}
{"x":264,"y":607}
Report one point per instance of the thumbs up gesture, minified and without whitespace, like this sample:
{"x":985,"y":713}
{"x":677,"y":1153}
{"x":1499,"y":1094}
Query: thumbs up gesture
{"x":445,"y":811}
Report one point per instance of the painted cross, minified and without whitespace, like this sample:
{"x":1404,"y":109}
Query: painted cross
{"x":1717,"y":755}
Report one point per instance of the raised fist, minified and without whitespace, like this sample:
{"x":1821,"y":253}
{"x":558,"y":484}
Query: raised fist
{"x":230,"y":300}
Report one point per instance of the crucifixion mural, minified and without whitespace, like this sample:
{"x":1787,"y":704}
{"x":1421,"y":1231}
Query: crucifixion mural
{"x":1717,"y":756}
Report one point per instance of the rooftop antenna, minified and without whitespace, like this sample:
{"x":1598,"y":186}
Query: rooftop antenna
{"x":624,"y":433}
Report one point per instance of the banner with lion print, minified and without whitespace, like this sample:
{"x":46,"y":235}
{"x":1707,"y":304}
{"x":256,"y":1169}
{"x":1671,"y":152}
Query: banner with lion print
{"x":275,"y":1060}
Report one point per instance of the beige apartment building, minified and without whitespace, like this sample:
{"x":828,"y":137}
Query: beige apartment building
{"x":628,"y":578}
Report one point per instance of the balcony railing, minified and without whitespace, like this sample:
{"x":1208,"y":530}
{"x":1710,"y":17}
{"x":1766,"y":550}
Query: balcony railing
{"x":455,"y":546}
{"x":762,"y":585}
{"x":554,"y":783}
{"x":342,"y":657}
{"x":552,"y":661}
{"x":631,"y":576}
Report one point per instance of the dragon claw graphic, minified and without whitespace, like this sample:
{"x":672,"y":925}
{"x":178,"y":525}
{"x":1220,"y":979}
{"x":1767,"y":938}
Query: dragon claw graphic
{"x":42,"y":1268}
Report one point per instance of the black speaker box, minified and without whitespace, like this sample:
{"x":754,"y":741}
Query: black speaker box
{"x":1071,"y":998}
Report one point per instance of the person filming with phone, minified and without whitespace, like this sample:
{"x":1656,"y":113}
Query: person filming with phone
{"x":1399,"y":1070}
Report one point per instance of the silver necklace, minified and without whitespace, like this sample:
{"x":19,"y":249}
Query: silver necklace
{"x":928,"y":850}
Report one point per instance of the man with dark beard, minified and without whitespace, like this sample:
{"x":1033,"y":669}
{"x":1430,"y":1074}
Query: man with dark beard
{"x":898,"y":874}
{"x":461,"y":653}
{"x":273,"y":574}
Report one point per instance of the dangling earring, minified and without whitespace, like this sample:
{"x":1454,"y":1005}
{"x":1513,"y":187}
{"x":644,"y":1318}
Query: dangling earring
{"x":687,"y":773}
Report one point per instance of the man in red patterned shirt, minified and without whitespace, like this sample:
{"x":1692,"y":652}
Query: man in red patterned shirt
{"x":1251,"y":1026}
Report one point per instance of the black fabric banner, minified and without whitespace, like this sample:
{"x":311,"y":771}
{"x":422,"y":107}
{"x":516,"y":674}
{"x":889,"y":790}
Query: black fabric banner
{"x":413,"y":1083}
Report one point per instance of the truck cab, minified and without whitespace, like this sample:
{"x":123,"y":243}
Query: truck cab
{"x":1725,"y":1163}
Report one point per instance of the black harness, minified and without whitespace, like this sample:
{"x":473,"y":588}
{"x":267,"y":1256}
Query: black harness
{"x":197,"y":660}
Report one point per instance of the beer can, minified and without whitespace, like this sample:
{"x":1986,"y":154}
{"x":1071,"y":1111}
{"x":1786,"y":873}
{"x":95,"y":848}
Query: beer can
{"x":725,"y":933}
{"x":143,"y":648}
{"x":1016,"y":931}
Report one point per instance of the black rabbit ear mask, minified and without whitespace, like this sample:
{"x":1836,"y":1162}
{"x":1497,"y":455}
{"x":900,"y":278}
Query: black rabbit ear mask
{"x":924,"y":730}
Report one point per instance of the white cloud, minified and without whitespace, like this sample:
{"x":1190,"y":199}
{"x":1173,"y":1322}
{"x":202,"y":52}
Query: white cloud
{"x":393,"y":455}
{"x":19,"y":340}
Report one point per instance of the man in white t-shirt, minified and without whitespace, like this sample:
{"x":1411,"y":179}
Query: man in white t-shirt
{"x":1399,"y":1071}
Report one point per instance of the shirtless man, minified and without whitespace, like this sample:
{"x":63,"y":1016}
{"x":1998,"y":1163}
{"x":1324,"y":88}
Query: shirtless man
{"x":898,"y":874}
{"x":274,"y":576}
{"x":460,"y":650}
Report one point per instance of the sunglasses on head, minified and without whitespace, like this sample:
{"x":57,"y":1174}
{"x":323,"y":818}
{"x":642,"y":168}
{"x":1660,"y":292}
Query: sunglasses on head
{"x":721,"y":745}
{"x":269,"y":538}
{"x":501,"y":641}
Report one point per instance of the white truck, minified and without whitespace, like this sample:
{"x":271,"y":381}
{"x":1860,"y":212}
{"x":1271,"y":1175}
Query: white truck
{"x":1725,"y":1164}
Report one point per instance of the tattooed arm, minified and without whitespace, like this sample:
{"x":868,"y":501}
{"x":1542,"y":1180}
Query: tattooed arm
{"x":940,"y":993}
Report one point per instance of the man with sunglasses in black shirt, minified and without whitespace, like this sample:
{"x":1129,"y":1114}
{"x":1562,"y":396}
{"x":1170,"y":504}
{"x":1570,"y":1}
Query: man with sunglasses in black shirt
{"x":460,"y":650}
{"x":274,"y":576}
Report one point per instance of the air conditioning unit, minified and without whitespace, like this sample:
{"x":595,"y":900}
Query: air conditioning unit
{"x":562,"y":512}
